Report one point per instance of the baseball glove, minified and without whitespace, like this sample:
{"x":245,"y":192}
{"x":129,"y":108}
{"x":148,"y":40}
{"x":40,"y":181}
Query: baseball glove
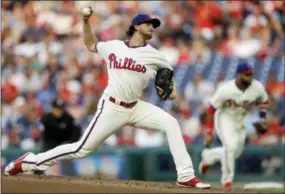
{"x":164,"y":83}
{"x":260,"y":127}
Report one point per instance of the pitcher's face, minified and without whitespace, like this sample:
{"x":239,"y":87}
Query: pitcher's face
{"x":145,"y":30}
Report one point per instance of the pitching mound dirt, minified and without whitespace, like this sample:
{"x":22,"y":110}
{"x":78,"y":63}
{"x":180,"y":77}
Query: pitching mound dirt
{"x":51,"y":184}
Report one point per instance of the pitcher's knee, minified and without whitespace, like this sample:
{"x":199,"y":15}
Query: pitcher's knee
{"x":171,"y":123}
{"x":82,"y":153}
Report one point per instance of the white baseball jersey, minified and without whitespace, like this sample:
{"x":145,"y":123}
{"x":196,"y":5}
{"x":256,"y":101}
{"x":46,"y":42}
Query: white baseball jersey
{"x":232,"y":105}
{"x":231,"y":100}
{"x":129,"y":69}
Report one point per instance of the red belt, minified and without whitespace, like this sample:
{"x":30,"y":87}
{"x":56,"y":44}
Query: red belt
{"x":124,"y":104}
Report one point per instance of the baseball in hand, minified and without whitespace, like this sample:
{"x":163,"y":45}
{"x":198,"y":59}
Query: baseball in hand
{"x":86,"y":11}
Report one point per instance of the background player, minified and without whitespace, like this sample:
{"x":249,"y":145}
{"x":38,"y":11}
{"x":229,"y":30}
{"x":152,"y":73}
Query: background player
{"x":131,"y":65}
{"x":226,"y":113}
{"x":59,"y":127}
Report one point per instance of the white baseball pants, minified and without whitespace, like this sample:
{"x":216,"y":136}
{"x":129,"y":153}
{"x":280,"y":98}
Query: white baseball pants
{"x":233,"y":140}
{"x":110,"y":117}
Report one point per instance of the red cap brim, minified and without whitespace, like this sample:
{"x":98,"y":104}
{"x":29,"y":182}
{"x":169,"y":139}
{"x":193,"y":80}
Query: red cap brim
{"x":248,"y":71}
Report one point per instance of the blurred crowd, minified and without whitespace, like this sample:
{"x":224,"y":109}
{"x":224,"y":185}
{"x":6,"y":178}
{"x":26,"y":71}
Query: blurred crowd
{"x":44,"y":57}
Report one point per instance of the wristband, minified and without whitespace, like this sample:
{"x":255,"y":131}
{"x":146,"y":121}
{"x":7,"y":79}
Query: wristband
{"x":210,"y":132}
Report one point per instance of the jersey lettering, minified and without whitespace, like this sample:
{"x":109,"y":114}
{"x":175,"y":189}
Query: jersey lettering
{"x":128,"y":64}
{"x":244,"y":104}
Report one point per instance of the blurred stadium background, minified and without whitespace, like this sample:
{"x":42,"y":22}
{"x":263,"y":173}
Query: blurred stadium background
{"x":43,"y":57}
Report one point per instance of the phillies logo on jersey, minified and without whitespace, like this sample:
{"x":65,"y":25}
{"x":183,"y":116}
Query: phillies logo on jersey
{"x":127,"y":63}
{"x":244,"y":104}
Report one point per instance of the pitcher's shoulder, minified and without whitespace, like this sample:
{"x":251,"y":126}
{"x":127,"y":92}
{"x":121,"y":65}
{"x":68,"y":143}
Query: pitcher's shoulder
{"x":157,"y":53}
{"x":110,"y":42}
{"x":151,"y":48}
{"x":117,"y":41}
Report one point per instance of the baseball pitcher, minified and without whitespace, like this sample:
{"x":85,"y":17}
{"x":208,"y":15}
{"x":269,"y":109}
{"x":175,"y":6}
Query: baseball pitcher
{"x":226,"y":113}
{"x":131,"y":65}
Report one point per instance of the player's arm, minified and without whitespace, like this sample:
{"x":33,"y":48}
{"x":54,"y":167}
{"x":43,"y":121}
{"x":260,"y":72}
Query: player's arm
{"x":209,"y":133}
{"x":215,"y":103}
{"x":263,"y":110}
{"x":263,"y":104}
{"x":90,"y":39}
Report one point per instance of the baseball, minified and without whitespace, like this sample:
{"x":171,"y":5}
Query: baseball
{"x":86,"y":11}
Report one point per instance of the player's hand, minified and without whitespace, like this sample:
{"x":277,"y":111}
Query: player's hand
{"x":160,"y":90}
{"x":208,"y":138}
{"x":260,"y":127}
{"x":85,"y":16}
{"x":260,"y":123}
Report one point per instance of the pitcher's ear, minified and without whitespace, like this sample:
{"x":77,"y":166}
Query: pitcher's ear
{"x":136,"y":27}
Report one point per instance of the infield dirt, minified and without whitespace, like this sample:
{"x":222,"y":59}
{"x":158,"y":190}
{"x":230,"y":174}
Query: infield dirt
{"x":52,"y":184}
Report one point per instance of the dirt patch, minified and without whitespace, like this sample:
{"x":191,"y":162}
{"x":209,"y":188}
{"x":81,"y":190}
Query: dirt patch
{"x":52,"y":184}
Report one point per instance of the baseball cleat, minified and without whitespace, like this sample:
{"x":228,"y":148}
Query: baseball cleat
{"x":203,"y":167}
{"x":227,"y":185}
{"x":195,"y":182}
{"x":15,"y":167}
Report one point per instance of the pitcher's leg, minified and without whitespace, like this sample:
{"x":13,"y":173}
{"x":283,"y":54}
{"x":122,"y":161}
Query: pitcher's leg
{"x":178,"y":149}
{"x":149,"y":116}
{"x":98,"y":130}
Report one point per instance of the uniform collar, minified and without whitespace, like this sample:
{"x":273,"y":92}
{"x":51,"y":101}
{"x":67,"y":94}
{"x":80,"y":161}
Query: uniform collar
{"x":240,"y":88}
{"x":127,"y":44}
